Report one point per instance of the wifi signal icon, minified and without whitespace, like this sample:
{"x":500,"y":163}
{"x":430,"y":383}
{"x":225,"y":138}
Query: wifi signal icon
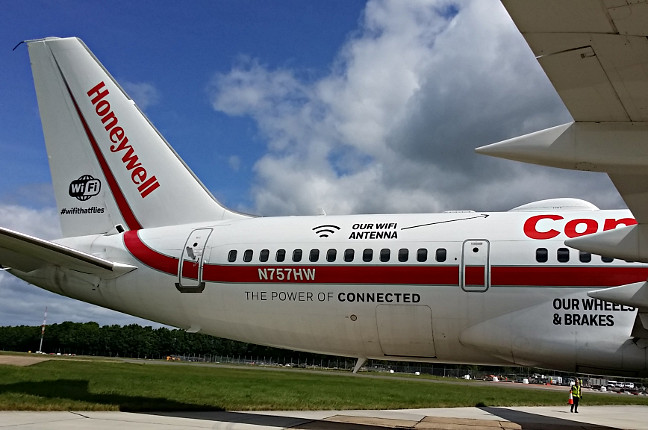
{"x":325,"y":230}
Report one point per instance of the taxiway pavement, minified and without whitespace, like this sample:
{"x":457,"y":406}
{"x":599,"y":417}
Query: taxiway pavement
{"x":554,"y":417}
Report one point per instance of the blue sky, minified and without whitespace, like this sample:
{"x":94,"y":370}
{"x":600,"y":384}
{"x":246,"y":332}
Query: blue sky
{"x":289,"y":107}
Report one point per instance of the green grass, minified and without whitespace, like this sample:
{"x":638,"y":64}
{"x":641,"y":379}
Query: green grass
{"x":96,"y":385}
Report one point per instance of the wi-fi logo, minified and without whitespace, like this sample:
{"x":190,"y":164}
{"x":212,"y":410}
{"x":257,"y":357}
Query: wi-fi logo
{"x":325,"y":230}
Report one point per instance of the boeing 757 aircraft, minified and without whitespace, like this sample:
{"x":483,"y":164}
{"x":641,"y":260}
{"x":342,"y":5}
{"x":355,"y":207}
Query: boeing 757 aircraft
{"x":556,"y":284}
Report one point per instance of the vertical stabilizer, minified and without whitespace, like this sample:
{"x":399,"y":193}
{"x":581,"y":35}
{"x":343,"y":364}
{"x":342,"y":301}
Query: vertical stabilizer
{"x":110,"y":166}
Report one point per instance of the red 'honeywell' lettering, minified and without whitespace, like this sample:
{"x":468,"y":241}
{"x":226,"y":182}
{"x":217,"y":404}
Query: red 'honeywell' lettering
{"x":116,"y":134}
{"x":98,"y":95}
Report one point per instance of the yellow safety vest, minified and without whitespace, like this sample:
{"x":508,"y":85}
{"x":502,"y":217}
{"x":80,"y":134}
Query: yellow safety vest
{"x":576,"y":390}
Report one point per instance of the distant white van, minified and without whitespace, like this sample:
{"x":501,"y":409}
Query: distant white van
{"x":613,"y":384}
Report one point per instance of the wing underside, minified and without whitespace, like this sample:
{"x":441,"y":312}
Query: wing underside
{"x":595,"y":53}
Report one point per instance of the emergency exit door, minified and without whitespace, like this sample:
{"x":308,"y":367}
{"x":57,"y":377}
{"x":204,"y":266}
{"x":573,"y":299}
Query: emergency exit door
{"x":190,"y":265}
{"x":475,"y":265}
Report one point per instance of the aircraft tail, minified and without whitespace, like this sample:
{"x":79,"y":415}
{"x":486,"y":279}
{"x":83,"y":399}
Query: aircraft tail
{"x":111,"y":168}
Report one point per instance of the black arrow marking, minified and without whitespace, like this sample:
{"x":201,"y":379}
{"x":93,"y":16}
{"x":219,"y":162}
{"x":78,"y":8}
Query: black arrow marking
{"x":446,"y":221}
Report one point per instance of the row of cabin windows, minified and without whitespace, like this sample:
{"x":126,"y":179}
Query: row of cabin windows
{"x":384,"y":255}
{"x":562,"y":255}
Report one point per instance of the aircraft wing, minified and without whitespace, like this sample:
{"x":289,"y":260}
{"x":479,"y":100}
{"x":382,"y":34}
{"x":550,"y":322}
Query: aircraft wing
{"x":595,"y":54}
{"x":27,"y":253}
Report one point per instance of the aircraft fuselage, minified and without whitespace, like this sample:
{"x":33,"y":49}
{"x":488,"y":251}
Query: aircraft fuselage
{"x":490,"y":288}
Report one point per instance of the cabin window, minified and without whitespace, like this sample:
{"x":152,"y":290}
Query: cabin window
{"x":607,"y":259}
{"x":331,"y":255}
{"x":281,"y":255}
{"x":542,"y":255}
{"x":367,"y":255}
{"x":584,"y":257}
{"x":403,"y":255}
{"x":421,"y":255}
{"x":313,"y":256}
{"x":348,"y":255}
{"x":563,"y":255}
{"x":384,"y":255}
{"x":247,"y":255}
{"x":231,"y":256}
{"x":441,"y":255}
{"x":297,"y":255}
{"x":264,"y":255}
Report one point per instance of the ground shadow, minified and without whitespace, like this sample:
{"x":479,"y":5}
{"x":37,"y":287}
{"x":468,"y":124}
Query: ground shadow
{"x":518,"y":420}
{"x":529,"y":421}
{"x":77,"y":390}
{"x":268,"y":420}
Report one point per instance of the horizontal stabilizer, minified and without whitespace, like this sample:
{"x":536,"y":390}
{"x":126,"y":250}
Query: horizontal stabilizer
{"x":27,"y":253}
{"x":626,"y":243}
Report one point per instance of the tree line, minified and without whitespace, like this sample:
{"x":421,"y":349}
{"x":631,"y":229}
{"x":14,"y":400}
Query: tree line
{"x":135,"y":341}
{"x":129,"y":341}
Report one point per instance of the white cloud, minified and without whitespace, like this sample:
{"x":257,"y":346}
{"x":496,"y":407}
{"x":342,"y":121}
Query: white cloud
{"x":234,"y":162}
{"x":393,"y":126}
{"x":143,"y":93}
{"x":42,"y":223}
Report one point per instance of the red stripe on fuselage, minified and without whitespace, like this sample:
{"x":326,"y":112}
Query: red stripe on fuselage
{"x":500,"y":276}
{"x":475,"y":275}
{"x":335,"y":274}
{"x":149,"y":256}
{"x":568,"y":276}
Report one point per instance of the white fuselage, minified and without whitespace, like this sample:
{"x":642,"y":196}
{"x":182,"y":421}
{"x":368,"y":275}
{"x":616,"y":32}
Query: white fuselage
{"x":490,"y":288}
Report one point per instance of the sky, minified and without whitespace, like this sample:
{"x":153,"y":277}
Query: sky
{"x":291,"y":107}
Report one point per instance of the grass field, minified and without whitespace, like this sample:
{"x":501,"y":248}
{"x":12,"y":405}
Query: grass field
{"x":97,"y":385}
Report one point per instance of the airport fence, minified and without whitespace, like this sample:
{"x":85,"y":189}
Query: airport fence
{"x":504,"y":374}
{"x":347,"y":364}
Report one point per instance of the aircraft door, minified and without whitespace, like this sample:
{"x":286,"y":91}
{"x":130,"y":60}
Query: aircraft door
{"x":475,"y":265}
{"x":190,"y":266}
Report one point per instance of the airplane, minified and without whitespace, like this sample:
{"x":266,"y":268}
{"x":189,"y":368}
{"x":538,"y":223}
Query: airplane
{"x":557,"y":284}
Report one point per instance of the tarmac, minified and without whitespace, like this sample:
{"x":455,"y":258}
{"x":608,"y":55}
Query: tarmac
{"x":545,"y":417}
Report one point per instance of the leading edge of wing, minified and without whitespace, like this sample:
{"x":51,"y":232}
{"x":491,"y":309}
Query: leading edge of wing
{"x":26,"y":253}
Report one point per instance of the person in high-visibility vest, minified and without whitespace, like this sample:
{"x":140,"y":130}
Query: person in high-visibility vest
{"x":577,"y":394}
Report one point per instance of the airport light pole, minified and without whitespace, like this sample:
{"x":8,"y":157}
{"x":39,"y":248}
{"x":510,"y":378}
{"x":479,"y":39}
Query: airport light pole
{"x":40,"y":347}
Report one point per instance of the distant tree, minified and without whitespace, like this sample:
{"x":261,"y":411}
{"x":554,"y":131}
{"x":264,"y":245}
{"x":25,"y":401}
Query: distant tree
{"x":134,"y":341}
{"x":19,"y":338}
